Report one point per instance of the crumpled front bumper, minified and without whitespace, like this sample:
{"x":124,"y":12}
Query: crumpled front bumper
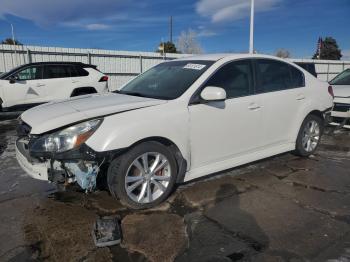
{"x":67,"y":168}
{"x":35,"y":169}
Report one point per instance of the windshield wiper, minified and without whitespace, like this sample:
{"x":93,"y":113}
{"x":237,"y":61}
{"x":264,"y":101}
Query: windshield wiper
{"x":130,"y":93}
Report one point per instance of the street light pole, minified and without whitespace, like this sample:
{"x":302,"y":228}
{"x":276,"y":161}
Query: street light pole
{"x":13,"y":34}
{"x":251,"y":38}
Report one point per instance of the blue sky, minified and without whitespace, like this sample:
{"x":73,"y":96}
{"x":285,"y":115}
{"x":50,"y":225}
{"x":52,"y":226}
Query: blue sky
{"x":221,"y":25}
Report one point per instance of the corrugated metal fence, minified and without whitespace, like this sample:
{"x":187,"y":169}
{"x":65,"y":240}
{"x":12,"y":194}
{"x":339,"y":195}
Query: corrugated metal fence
{"x":121,"y":66}
{"x":326,"y":69}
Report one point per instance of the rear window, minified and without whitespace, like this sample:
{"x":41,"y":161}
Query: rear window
{"x":81,"y":71}
{"x":310,"y":67}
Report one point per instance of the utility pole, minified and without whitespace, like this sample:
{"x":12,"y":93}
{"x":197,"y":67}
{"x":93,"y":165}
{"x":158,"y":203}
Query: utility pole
{"x":171,"y":29}
{"x":14,"y":43}
{"x":251,"y":38}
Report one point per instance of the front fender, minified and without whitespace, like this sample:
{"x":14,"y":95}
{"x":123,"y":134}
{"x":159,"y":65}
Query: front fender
{"x":125,"y":129}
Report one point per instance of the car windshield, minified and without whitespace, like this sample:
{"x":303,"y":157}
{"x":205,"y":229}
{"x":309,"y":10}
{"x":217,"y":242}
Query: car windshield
{"x":342,"y":79}
{"x":167,"y":80}
{"x":7,"y":74}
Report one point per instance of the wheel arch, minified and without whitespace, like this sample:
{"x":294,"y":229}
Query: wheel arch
{"x":181,"y":162}
{"x":317,"y":113}
{"x":87,"y":89}
{"x":314,"y":112}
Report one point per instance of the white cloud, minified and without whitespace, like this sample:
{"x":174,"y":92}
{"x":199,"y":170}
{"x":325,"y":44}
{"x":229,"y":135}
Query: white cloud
{"x":206,"y":33}
{"x":95,"y":27}
{"x":229,"y":10}
{"x":53,"y":12}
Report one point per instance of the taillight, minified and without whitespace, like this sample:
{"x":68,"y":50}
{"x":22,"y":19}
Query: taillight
{"x":330,"y":91}
{"x":104,"y":79}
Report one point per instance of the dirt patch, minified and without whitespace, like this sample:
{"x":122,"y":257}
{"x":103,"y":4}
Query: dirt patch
{"x":159,"y":236}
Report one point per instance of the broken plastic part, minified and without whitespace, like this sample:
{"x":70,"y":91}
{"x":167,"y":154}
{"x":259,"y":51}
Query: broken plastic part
{"x":106,"y":231}
{"x":85,"y":173}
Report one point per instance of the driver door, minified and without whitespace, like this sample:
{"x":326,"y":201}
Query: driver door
{"x":224,"y":130}
{"x":26,"y":88}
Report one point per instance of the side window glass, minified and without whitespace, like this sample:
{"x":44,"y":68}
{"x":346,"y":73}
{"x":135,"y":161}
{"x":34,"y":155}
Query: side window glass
{"x":72,"y":71}
{"x":81,"y":71}
{"x":235,"y":78}
{"x":30,"y":73}
{"x":297,"y":77}
{"x":273,"y":76}
{"x":56,"y":71}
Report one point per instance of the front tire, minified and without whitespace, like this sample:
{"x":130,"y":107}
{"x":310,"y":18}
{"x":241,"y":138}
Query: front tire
{"x":309,"y":136}
{"x":144,"y":176}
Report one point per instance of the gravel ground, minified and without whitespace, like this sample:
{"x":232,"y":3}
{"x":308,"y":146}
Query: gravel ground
{"x":284,"y":208}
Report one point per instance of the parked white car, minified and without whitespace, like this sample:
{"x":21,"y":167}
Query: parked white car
{"x":37,"y":83}
{"x":178,"y":121}
{"x":341,"y":110}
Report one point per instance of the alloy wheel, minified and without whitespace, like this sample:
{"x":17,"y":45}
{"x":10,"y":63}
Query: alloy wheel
{"x":311,"y":136}
{"x":147,"y":177}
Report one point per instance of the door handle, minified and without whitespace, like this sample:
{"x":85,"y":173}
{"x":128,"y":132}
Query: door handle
{"x":39,"y":85}
{"x":300,"y":97}
{"x":75,"y":81}
{"x":254,"y":106}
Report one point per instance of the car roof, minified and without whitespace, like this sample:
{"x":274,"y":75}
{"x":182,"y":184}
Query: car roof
{"x":13,"y":70}
{"x":217,"y":57}
{"x":59,"y":63}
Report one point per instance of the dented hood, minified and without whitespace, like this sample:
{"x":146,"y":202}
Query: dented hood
{"x":341,"y":90}
{"x":57,"y":114}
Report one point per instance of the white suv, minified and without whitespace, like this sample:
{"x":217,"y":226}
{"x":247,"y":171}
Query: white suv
{"x":37,"y":83}
{"x":178,"y":121}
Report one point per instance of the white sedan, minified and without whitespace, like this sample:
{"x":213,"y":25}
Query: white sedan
{"x":178,"y":121}
{"x":341,"y":109}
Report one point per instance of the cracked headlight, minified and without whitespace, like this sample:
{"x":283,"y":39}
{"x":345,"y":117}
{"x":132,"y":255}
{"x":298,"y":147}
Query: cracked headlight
{"x":66,"y":139}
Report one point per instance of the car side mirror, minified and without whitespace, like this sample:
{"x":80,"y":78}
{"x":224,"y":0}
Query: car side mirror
{"x":13,"y":79}
{"x":213,"y":93}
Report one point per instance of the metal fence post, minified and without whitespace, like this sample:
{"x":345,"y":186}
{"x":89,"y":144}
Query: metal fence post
{"x":328,"y":72}
{"x":29,"y":56}
{"x":141,"y":65}
{"x":89,"y":57}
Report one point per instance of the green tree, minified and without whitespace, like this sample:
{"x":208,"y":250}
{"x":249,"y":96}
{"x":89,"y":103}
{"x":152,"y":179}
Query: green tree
{"x":9,"y":41}
{"x":168,"y":47}
{"x":329,"y":50}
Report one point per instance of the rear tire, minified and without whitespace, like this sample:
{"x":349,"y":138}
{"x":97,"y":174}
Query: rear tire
{"x":309,"y":135}
{"x":144,"y":176}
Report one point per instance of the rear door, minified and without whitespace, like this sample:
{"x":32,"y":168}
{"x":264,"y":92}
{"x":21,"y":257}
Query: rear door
{"x":58,"y":82}
{"x":282,"y":92}
{"x":79,"y":76}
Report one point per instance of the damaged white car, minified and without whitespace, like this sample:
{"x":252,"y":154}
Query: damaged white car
{"x":178,"y":121}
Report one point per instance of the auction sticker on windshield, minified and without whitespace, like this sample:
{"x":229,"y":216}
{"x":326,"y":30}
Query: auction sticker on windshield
{"x":194,"y":66}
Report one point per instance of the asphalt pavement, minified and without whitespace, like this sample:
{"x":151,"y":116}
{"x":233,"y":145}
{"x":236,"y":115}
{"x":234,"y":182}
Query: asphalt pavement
{"x":285,"y":208}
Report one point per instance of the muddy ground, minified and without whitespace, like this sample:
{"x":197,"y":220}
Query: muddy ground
{"x":285,"y":208}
